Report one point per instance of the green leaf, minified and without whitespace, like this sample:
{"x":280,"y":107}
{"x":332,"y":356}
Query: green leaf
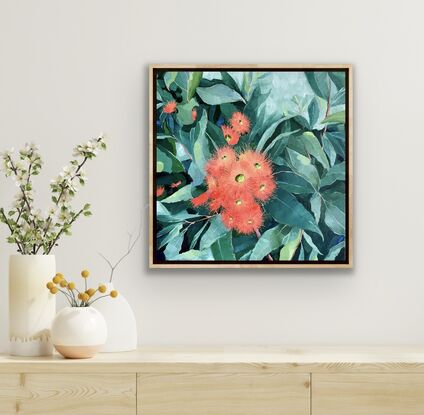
{"x":336,"y":118}
{"x":339,"y":78}
{"x":319,"y":82}
{"x":269,"y":241}
{"x":200,"y":147}
{"x":194,"y":255}
{"x":286,"y":209}
{"x":313,"y":147}
{"x":313,"y":112}
{"x":184,"y":116}
{"x":222,"y":249}
{"x":310,"y":242}
{"x":198,"y":235}
{"x":334,"y":251}
{"x":167,"y":162}
{"x":329,"y":149}
{"x":214,"y":232}
{"x":173,"y":247}
{"x":169,"y":78}
{"x":337,"y":139}
{"x":316,"y":206}
{"x":294,"y":183}
{"x":193,"y":82}
{"x":180,"y":195}
{"x":278,"y":144}
{"x":334,"y":216}
{"x":293,"y":241}
{"x":269,"y":132}
{"x":218,"y":94}
{"x":337,"y":172}
{"x":169,"y":233}
{"x":303,"y":167}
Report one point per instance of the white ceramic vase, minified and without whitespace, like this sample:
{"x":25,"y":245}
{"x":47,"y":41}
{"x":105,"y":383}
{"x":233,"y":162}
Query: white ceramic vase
{"x":78,"y":332}
{"x":121,"y":323}
{"x":31,"y":306}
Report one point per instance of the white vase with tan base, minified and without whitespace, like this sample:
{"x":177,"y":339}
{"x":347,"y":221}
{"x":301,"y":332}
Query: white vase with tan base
{"x":121,"y":323}
{"x":79,"y":332}
{"x":31,"y":306}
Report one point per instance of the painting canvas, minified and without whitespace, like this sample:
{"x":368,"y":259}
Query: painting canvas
{"x":251,"y":166}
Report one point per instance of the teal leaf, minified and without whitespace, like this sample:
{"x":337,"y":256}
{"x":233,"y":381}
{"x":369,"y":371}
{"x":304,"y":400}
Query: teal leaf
{"x":316,"y":206}
{"x":334,"y":216}
{"x":194,"y":255}
{"x":214,"y":232}
{"x":319,"y":82}
{"x":337,"y":139}
{"x":222,"y":249}
{"x":174,"y":247}
{"x":303,"y":167}
{"x":161,"y":210}
{"x":310,"y":242}
{"x":290,"y":247}
{"x":269,"y":132}
{"x":193,"y":82}
{"x":169,"y":78}
{"x":338,"y":78}
{"x":329,"y":149}
{"x":180,"y":195}
{"x":339,"y":98}
{"x":337,"y":172}
{"x":169,"y":232}
{"x":313,"y":147}
{"x":184,"y":115}
{"x":294,"y":183}
{"x":336,"y":118}
{"x":198,"y":235}
{"x":200,"y":147}
{"x":269,"y":241}
{"x":218,"y":94}
{"x":313,"y":112}
{"x":278,"y":144}
{"x":167,"y":162}
{"x":334,"y":251}
{"x":286,"y":209}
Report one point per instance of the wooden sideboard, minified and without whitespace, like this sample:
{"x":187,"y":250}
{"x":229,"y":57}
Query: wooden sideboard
{"x":218,"y":381}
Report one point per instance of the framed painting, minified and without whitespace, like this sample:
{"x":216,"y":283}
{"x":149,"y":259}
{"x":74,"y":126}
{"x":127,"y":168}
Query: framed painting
{"x":250,"y":166}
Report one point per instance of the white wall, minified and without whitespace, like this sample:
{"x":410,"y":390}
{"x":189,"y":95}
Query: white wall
{"x":70,"y":69}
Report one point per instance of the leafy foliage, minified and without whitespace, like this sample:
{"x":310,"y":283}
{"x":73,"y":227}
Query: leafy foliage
{"x":297,"y":119}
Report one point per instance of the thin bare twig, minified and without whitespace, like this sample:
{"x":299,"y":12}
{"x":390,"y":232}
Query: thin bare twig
{"x":131,"y":245}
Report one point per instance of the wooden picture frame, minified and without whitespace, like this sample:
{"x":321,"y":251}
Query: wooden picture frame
{"x":185,"y":88}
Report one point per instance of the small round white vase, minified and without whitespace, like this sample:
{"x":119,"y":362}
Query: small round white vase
{"x":120,"y":321}
{"x":78,"y":332}
{"x":31,"y":306}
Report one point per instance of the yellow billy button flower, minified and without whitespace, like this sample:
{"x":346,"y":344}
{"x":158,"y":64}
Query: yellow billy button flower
{"x":71,"y":286}
{"x":91,"y":292}
{"x":85,"y":273}
{"x":114,"y":293}
{"x":80,"y":296}
{"x":63,"y":283}
{"x":54,"y":290}
{"x":85,"y":297}
{"x":49,"y":285}
{"x":56,"y":279}
{"x":102,"y":288}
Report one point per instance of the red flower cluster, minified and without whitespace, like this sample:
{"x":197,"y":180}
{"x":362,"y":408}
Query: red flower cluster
{"x":239,"y":125}
{"x":236,"y":183}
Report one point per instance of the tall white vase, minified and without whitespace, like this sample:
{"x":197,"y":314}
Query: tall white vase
{"x":120,"y":321}
{"x":31,"y":306}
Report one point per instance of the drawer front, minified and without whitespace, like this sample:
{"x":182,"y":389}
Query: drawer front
{"x":368,"y":394}
{"x":67,"y":394}
{"x":223,"y":394}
